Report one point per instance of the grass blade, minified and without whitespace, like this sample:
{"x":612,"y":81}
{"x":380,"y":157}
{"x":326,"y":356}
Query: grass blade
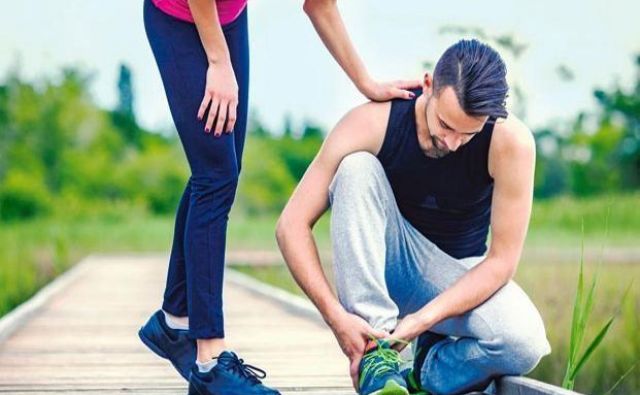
{"x":574,"y":340}
{"x":620,"y":379}
{"x":586,"y":311}
{"x":594,"y":343}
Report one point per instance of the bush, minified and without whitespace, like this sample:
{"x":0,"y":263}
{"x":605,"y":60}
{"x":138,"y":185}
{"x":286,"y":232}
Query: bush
{"x":156,"y":176}
{"x":265,"y":181}
{"x":23,"y":196}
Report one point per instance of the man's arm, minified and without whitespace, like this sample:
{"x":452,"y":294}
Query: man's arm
{"x":326,"y":19}
{"x":362,"y":129}
{"x":511,"y":164}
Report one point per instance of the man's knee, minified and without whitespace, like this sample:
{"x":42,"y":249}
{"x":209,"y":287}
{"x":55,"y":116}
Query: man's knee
{"x":357,"y":164}
{"x":521,"y":351}
{"x":357,"y":171}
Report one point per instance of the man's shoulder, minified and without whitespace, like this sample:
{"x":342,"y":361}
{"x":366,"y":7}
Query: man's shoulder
{"x":511,"y":138}
{"x":366,"y":124}
{"x":375,"y":114}
{"x":511,"y":135}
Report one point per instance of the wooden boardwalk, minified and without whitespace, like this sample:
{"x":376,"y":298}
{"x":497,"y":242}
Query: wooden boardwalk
{"x":84,"y":338}
{"x":79,"y":336}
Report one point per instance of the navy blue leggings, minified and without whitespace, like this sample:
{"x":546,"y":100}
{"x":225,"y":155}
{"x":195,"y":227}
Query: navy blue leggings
{"x":196,"y":266}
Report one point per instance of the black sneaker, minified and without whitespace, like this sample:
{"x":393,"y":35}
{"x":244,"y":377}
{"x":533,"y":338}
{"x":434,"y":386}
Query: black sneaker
{"x":168,"y":343}
{"x":230,"y":376}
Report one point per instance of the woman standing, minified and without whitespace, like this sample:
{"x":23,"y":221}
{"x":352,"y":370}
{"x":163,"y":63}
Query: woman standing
{"x":202,"y":51}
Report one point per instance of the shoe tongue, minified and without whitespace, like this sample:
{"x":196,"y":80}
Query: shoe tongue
{"x":226,"y":357}
{"x":377,"y":344}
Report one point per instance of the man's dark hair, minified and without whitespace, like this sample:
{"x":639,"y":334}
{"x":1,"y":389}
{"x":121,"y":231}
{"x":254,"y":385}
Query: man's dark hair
{"x":477,"y":74}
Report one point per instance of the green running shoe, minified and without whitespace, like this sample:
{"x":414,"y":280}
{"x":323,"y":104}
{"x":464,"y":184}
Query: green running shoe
{"x":380,"y":371}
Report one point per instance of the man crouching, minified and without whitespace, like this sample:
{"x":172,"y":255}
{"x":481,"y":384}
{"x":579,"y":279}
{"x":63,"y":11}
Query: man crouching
{"x":414,"y":187}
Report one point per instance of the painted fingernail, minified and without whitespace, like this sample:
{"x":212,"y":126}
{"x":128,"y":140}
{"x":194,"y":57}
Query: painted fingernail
{"x":207,"y":130}
{"x":412,"y":95}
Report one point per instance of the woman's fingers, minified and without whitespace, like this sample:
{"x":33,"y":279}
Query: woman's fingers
{"x":203,"y":106}
{"x":222,"y":114}
{"x":222,"y":117}
{"x":408,"y":84}
{"x":231,"y":119}
{"x":213,"y":112}
{"x":402,"y":94}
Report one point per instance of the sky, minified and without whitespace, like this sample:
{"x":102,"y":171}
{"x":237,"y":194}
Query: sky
{"x":293,"y":74}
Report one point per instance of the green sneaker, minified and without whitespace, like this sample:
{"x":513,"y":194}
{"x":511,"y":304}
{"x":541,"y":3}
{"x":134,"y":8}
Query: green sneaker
{"x":412,"y":384}
{"x":412,"y":376}
{"x":380,"y":371}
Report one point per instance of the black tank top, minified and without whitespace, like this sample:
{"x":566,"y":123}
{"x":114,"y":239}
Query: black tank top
{"x":447,"y":199}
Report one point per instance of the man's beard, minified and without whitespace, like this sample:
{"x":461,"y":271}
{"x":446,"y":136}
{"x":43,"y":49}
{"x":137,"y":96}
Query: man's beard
{"x":434,"y":151}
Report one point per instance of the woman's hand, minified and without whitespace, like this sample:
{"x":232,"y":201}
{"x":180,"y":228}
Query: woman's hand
{"x":383,"y":91}
{"x":221,"y":97}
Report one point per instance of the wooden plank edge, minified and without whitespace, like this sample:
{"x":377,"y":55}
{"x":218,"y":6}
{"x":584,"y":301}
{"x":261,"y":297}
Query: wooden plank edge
{"x":520,"y":385}
{"x":295,"y":304}
{"x":17,"y":317}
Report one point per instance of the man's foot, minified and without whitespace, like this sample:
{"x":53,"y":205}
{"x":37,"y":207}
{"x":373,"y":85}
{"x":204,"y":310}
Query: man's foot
{"x":230,"y":376}
{"x":171,"y":344}
{"x":412,"y":376}
{"x":412,"y":385}
{"x":380,"y":371}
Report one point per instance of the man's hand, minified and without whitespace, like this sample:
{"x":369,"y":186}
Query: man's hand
{"x":353,"y":333}
{"x":383,"y":91}
{"x":407,"y":330}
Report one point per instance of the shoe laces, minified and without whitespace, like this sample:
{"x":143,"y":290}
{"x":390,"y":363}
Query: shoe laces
{"x":381,"y":360}
{"x":242,"y":369}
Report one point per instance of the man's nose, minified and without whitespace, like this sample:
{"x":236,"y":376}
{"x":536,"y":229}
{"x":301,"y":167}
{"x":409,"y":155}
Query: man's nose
{"x":453,"y":142}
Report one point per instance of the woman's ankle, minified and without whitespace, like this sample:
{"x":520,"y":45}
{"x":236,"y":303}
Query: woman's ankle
{"x":210,"y":348}
{"x":175,"y":322}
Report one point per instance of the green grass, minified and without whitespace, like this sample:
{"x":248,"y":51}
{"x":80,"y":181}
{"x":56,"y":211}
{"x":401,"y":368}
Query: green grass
{"x":33,"y":253}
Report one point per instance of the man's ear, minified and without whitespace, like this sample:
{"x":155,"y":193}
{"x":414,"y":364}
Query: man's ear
{"x":427,"y":84}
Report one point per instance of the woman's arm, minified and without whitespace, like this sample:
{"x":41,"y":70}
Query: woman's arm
{"x":326,"y":19}
{"x":221,"y":91}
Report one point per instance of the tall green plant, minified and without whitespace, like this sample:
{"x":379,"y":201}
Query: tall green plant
{"x":582,"y":308}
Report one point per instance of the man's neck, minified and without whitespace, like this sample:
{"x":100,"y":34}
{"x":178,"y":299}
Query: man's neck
{"x":422,"y":129}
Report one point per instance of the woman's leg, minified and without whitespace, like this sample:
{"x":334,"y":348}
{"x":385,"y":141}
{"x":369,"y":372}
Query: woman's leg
{"x":236,"y":36}
{"x":213,"y":162}
{"x":175,"y":294}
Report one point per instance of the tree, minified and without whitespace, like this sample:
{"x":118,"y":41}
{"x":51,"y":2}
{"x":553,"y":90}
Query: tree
{"x":125,"y":92}
{"x":123,"y":117}
{"x":620,"y":107}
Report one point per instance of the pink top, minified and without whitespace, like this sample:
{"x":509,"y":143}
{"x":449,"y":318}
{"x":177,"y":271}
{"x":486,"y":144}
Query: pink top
{"x":228,"y":10}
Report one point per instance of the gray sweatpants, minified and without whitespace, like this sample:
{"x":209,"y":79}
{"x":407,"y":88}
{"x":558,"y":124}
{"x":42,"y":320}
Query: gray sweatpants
{"x":386,"y":269}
